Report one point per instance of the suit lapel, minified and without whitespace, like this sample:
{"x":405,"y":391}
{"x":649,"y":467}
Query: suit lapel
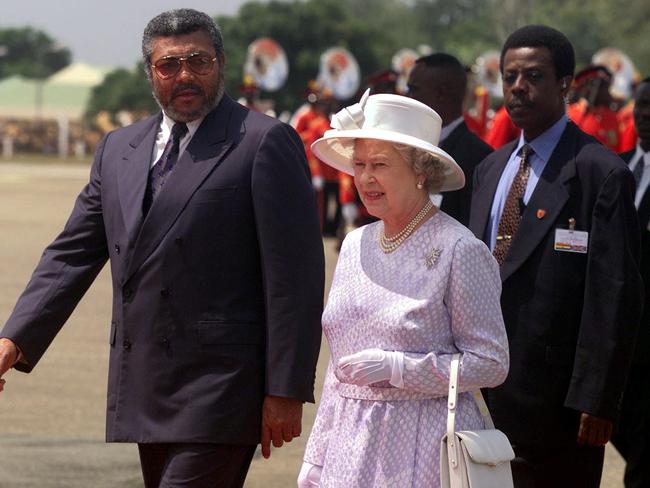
{"x":644,"y":206}
{"x":133,"y":176}
{"x":485,"y":190}
{"x":205,"y":151}
{"x":453,"y":139}
{"x":549,"y":197}
{"x":627,"y":156}
{"x":644,"y":211}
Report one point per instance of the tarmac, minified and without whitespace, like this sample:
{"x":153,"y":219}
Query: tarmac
{"x":52,"y":420}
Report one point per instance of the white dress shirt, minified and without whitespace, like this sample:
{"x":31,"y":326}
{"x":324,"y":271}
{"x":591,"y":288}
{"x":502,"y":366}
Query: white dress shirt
{"x":436,"y":198}
{"x":164,"y":132}
{"x":641,"y":157}
{"x":543,"y":147}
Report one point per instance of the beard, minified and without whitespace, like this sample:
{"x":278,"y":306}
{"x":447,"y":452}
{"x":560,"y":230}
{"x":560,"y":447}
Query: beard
{"x":211,"y":98}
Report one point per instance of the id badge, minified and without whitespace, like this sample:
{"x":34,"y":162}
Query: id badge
{"x":568,"y":240}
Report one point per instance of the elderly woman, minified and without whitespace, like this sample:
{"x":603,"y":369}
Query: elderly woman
{"x":408,"y":292}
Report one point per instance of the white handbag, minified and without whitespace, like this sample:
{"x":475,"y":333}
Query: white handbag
{"x":473,"y":458}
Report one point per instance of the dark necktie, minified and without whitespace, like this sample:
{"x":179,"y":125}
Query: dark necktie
{"x":638,"y":170}
{"x":512,"y":210}
{"x":163,"y":167}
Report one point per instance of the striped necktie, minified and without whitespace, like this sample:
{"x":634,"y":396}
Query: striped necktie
{"x":164,"y":166}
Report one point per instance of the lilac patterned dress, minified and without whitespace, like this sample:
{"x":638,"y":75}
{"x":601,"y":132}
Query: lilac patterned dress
{"x":437,"y":294}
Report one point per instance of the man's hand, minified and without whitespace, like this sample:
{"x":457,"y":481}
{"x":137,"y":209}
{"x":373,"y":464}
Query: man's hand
{"x":281,"y":422}
{"x":8,"y":356}
{"x":594,"y":431}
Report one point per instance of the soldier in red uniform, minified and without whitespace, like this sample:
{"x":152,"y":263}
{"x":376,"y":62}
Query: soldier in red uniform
{"x":629,"y":136}
{"x":477,"y":103}
{"x":249,"y":93}
{"x":502,"y":130}
{"x":625,"y":116}
{"x":311,"y":125}
{"x":592,"y":112}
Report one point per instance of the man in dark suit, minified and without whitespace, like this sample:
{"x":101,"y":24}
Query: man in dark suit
{"x":439,"y":81}
{"x":557,"y":209}
{"x":632,"y":438}
{"x":207,"y":215}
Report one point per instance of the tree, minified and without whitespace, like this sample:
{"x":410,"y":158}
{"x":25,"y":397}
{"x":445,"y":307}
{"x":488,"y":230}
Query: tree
{"x":306,"y":28}
{"x":31,"y":53}
{"x":374,"y":30}
{"x":122,"y":90}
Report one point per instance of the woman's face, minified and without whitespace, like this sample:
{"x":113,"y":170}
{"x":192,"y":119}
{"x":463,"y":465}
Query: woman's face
{"x":385,"y":181}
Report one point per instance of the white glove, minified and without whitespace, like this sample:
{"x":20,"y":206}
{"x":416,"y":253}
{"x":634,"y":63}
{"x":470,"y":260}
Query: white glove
{"x":309,"y":476}
{"x":372,"y":366}
{"x":318,"y":182}
{"x":349,"y":212}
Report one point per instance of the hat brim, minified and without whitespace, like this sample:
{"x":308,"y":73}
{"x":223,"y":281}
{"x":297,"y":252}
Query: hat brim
{"x":336,"y":149}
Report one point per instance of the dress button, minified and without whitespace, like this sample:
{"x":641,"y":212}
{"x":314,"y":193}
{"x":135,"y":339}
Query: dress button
{"x":126,"y":344}
{"x":117,"y":248}
{"x":164,"y":292}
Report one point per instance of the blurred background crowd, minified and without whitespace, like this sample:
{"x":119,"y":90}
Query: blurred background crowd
{"x":303,"y":60}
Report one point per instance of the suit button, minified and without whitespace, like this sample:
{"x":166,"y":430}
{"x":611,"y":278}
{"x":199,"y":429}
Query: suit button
{"x":126,"y":344}
{"x":164,"y":292}
{"x":117,"y":248}
{"x":178,"y":241}
{"x":127,"y":292}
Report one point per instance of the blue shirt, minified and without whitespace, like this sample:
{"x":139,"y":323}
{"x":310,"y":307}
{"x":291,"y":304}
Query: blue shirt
{"x":543,"y":146}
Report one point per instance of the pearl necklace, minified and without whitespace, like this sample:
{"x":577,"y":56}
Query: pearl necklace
{"x":389,"y":244}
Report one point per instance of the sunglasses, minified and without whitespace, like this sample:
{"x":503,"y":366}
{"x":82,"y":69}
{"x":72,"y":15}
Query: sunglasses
{"x":169,"y":66}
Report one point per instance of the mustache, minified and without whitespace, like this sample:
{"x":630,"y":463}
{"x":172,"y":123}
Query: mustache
{"x":519,"y":102}
{"x":187,"y":87}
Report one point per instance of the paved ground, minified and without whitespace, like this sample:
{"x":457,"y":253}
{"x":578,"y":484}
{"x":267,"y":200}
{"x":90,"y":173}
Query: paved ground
{"x":52,"y":420}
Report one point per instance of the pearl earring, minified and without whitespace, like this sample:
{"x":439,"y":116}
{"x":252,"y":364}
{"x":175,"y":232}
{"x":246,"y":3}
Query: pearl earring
{"x":419,"y":185}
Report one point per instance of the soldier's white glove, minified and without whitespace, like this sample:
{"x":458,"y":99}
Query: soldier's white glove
{"x":309,"y":476}
{"x":372,"y":366}
{"x":349,"y":212}
{"x":318,"y":182}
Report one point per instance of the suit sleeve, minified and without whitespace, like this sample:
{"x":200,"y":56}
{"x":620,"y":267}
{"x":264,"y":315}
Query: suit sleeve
{"x":291,"y":252}
{"x":64,"y":273}
{"x":612,"y":301}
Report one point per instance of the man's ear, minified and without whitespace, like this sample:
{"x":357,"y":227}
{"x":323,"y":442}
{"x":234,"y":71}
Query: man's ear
{"x":565,"y":84}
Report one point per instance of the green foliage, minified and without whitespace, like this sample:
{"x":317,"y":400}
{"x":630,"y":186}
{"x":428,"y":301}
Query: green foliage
{"x":30,"y":53}
{"x":122,"y":90}
{"x":374,"y":30}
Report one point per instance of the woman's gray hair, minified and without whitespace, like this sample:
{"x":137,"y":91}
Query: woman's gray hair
{"x":177,"y":23}
{"x":424,"y":163}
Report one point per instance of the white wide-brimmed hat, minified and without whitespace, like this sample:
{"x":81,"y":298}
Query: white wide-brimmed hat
{"x":391,"y":118}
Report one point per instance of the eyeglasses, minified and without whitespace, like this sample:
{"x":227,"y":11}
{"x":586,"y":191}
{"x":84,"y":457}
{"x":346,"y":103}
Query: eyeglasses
{"x":169,"y":66}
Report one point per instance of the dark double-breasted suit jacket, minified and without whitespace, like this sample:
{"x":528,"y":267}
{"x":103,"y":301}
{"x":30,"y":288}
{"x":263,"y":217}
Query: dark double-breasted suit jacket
{"x":468,"y":150}
{"x":632,"y":436}
{"x":642,"y":352}
{"x":571,"y":318}
{"x":217,"y":292}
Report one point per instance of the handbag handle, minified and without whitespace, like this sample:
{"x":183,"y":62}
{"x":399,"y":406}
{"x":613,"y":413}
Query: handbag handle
{"x":452,"y":399}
